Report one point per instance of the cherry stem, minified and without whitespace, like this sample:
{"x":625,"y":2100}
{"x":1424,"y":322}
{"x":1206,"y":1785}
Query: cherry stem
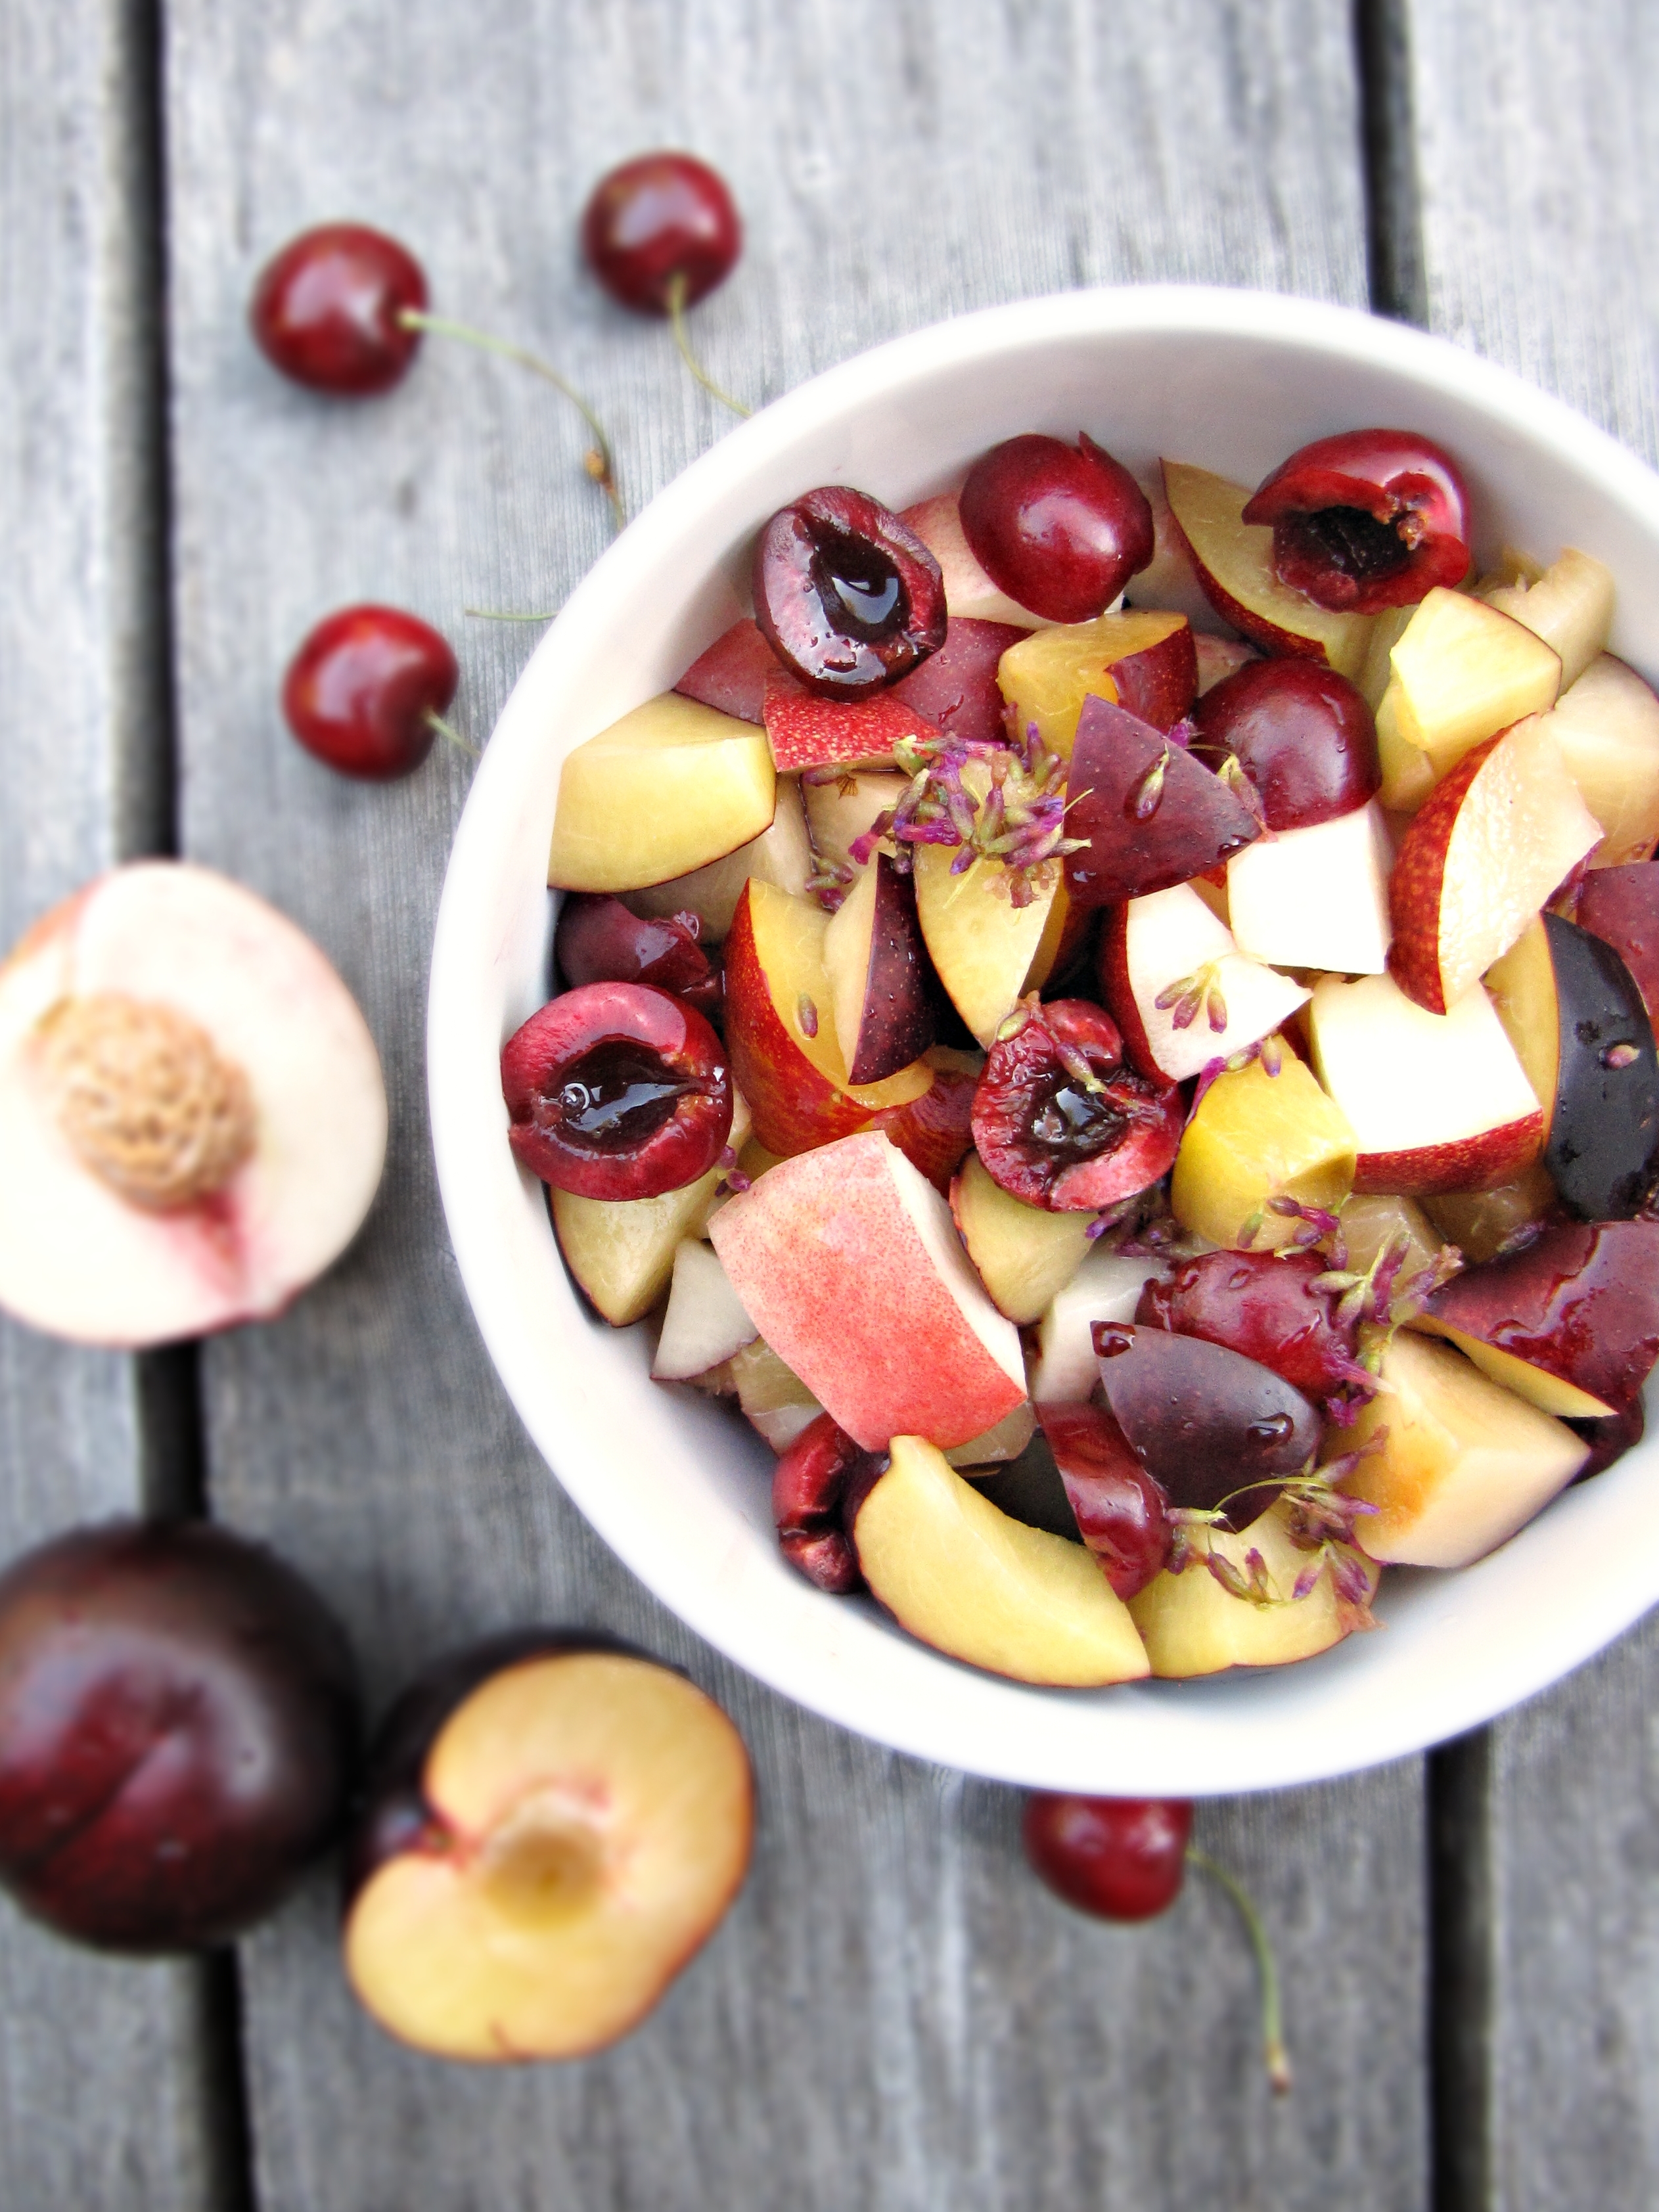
{"x":601,"y":464}
{"x":435,"y":721}
{"x":1272,"y":2037}
{"x":506,"y":614}
{"x":676,"y":323}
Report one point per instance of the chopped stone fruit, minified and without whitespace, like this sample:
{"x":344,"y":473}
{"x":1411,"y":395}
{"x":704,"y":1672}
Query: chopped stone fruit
{"x":1608,"y":728}
{"x":1610,"y":1439}
{"x":1366,"y":520}
{"x":1169,"y":582}
{"x":621,"y":1251}
{"x":1060,"y":1122}
{"x":1025,"y":1255}
{"x":781,"y":1028}
{"x":1482,"y":1223}
{"x":1254,"y":1138}
{"x":1457,"y":1465}
{"x":1487,"y":849}
{"x":847,"y":595}
{"x":1149,"y":815}
{"x":1122,"y":1514}
{"x":781,"y":856}
{"x":1061,"y":528}
{"x":848,"y":1259}
{"x":552,"y":1826}
{"x":1301,"y":733}
{"x":178,"y":1731}
{"x":1241,"y":1603}
{"x":1570,"y":1322}
{"x":982,"y":1587}
{"x":599,"y":940}
{"x":935,"y":1132}
{"x":1029,"y":1489}
{"x":731,"y":674}
{"x":1219,"y":1431}
{"x":774,"y":1401}
{"x":1460,"y":671}
{"x":1185,"y":996}
{"x":1145,"y":662}
{"x":878,"y":975}
{"x":705,"y":1325}
{"x":1573,"y":1010}
{"x":1106,"y":1287}
{"x":1234,"y":559}
{"x":1569,"y":606}
{"x":617,"y":1090}
{"x":842,"y":806}
{"x":1369,"y":1223}
{"x":1436,"y":1101}
{"x":1317,"y":898}
{"x":1005,"y":1440}
{"x":1218,"y":658}
{"x":806,"y":732}
{"x":193,"y":1121}
{"x":670,"y":787}
{"x":968,"y":592}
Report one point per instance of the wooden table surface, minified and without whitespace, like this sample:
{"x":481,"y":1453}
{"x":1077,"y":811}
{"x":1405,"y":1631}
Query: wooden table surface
{"x":895,"y":2017}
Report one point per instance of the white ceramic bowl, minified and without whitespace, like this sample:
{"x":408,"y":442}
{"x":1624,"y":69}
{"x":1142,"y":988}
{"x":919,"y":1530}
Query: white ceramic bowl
{"x":675,"y":1485}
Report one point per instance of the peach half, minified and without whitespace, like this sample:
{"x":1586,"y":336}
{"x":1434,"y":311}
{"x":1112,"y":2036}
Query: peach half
{"x":193,"y":1121}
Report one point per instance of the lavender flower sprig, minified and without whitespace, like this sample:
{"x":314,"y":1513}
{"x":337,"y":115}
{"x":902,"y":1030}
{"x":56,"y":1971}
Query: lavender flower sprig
{"x":1020,"y":820}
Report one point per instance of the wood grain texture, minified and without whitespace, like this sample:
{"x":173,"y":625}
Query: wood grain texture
{"x":101,"y":2084}
{"x":895,"y":2016}
{"x":1538,"y":158}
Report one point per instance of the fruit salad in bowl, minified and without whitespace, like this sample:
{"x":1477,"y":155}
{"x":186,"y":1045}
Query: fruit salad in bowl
{"x":1079,"y":1122}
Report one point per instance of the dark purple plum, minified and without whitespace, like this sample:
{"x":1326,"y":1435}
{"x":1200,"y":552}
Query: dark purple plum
{"x":1604,"y":1134}
{"x":1211,"y":1426}
{"x":1059,"y":528}
{"x":732,"y":675}
{"x":1621,"y":907}
{"x":956,"y":688}
{"x":177,"y":1729}
{"x":1153,"y":815}
{"x":846,"y":594}
{"x":1262,"y":1304}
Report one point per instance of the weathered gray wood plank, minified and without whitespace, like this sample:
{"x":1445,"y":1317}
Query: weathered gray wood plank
{"x":1538,"y":162}
{"x":895,"y":2016}
{"x":100,"y":2074}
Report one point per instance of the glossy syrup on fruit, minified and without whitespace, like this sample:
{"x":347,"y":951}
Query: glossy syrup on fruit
{"x":616,"y":1097}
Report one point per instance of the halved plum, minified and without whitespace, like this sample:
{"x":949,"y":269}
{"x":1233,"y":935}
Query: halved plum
{"x":1265,"y":1305}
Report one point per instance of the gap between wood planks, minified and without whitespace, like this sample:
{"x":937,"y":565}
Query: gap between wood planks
{"x":1457,"y":1775}
{"x":172,"y":1467}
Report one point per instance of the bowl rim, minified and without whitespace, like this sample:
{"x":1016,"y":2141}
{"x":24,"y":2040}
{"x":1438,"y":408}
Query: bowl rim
{"x":1297,"y":1744}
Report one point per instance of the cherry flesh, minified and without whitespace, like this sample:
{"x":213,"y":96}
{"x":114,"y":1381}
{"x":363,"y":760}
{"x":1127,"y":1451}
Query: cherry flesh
{"x":657,"y":217}
{"x":1059,"y":528}
{"x":326,"y":310}
{"x":1366,"y":520}
{"x":1264,"y":1305}
{"x":1122,"y":1514}
{"x":365,"y":689}
{"x":810,"y":1488}
{"x":617,"y":1090}
{"x":1061,"y":1123}
{"x":1302,"y":733}
{"x":1213,"y":1428}
{"x":1153,"y":815}
{"x":1120,"y":1858}
{"x":847,"y":595}
{"x":599,"y":941}
{"x":178,"y":1725}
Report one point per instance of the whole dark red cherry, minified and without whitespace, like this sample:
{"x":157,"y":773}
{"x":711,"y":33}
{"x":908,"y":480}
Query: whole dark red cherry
{"x":1121,"y":1858}
{"x":326,"y":310}
{"x":847,"y":595}
{"x":177,"y":1729}
{"x":1366,"y":520}
{"x":364,"y":688}
{"x":1302,"y":733}
{"x":1061,"y":528}
{"x":1121,"y":1513}
{"x":1263,"y":1304}
{"x":657,"y":217}
{"x":1061,"y":1122}
{"x":617,"y":1090}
